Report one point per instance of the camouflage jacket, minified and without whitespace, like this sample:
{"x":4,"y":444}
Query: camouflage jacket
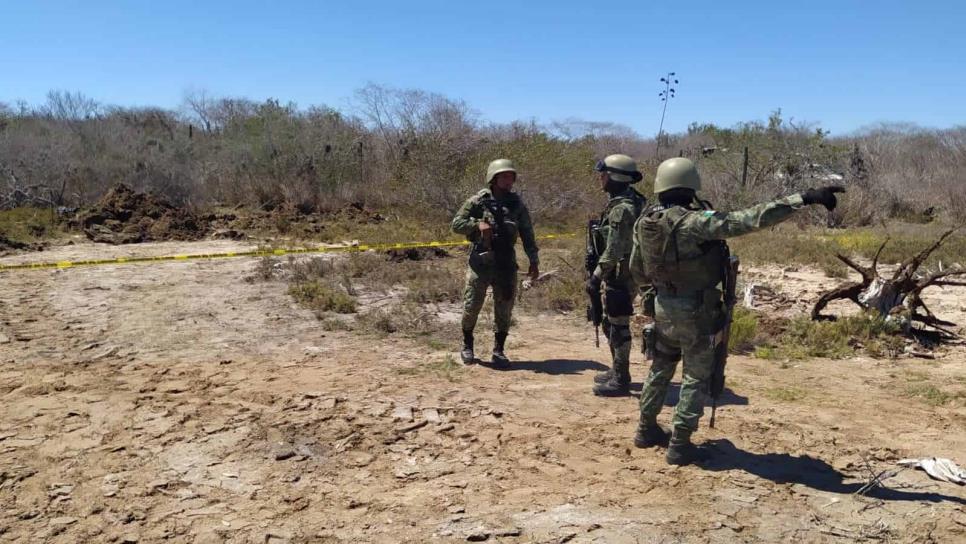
{"x":614,"y":236}
{"x":704,"y":225}
{"x":516,"y":220}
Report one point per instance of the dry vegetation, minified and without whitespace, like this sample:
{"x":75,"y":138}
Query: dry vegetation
{"x":417,"y":155}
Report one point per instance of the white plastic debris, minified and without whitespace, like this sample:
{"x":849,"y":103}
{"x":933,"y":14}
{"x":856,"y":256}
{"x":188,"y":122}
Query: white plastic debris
{"x":938,"y":468}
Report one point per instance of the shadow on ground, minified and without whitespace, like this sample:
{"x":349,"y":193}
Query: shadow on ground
{"x":727,"y":398}
{"x":555,"y":366}
{"x":808,"y":471}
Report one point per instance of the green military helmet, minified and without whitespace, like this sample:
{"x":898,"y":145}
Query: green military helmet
{"x":497,"y":167}
{"x":675,"y":173}
{"x":620,"y":168}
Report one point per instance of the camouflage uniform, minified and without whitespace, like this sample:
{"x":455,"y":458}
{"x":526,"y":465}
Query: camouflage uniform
{"x":612,"y":240}
{"x":687,"y":315}
{"x":497,"y":267}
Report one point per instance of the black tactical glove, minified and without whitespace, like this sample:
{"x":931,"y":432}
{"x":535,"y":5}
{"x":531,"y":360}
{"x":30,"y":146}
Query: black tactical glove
{"x":823,"y":195}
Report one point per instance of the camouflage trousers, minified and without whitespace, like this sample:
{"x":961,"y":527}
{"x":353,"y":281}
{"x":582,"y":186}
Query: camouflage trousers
{"x":684,"y":326}
{"x":503,"y":283}
{"x":618,"y":298}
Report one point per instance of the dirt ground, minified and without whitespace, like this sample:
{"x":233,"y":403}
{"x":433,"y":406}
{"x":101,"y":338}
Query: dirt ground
{"x":178,"y":402}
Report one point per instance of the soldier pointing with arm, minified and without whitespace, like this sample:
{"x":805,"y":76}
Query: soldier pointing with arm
{"x":679,"y":249}
{"x":491,"y":220}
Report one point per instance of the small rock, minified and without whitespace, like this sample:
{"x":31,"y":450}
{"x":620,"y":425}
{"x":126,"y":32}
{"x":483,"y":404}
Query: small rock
{"x":403,"y":413}
{"x":478,"y":535}
{"x":456,"y":509}
{"x":129,"y":539}
{"x":4,"y":339}
{"x":282,"y":453}
{"x":509,"y":531}
{"x":431,"y":415}
{"x":277,"y":537}
{"x":62,"y":521}
{"x":60,"y":490}
{"x":360,"y":459}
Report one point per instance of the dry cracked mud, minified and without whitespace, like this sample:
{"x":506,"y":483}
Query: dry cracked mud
{"x":176,"y":402}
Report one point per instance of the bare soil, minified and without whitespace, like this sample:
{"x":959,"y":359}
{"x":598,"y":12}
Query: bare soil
{"x":178,"y":402}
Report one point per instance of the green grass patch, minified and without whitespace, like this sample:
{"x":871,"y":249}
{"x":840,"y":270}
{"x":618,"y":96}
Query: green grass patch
{"x":929,"y":394}
{"x":804,"y":338}
{"x":322,"y":296}
{"x":786,"y":394}
{"x":447,"y":368}
{"x":30,"y":224}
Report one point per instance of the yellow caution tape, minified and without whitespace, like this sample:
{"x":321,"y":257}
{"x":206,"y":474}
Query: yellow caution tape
{"x":253,"y":253}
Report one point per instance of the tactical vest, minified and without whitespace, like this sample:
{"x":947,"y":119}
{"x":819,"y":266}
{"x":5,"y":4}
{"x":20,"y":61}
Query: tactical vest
{"x":664,"y":264}
{"x":599,"y":233}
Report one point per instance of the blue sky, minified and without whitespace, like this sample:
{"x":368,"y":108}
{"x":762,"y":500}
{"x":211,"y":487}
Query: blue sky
{"x":843,"y":64}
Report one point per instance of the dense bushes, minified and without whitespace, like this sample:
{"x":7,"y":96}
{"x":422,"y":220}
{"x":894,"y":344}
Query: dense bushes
{"x":420,"y":154}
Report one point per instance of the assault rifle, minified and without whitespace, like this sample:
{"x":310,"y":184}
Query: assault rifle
{"x":501,"y":245}
{"x":716,"y":384}
{"x":595,"y":307}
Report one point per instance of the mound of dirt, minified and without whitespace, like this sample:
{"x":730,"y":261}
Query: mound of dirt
{"x":416,"y":254}
{"x":123,"y":216}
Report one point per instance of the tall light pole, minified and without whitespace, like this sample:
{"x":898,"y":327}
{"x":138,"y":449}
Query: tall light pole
{"x":666,"y":95}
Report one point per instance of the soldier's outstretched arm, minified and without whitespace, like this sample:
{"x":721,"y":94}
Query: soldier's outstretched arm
{"x":712,"y":225}
{"x":529,"y":239}
{"x":468,"y":217}
{"x":618,"y":240}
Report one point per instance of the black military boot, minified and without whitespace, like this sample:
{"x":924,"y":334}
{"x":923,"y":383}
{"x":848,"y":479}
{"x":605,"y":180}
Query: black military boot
{"x":499,"y":359}
{"x":681,"y":451}
{"x":649,"y":435}
{"x":605,"y":376}
{"x":619,"y":384}
{"x":467,"y":354}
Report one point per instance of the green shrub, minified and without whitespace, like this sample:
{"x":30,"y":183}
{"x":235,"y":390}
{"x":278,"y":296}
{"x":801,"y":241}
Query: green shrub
{"x":835,"y":339}
{"x":744,"y":329}
{"x":322,"y":296}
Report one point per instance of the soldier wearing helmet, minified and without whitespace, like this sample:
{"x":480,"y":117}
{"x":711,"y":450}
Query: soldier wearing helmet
{"x":679,"y":249}
{"x":492,"y":220}
{"x":612,"y":241}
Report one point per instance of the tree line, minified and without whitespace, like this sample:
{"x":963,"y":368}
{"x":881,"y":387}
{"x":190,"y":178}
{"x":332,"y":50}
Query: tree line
{"x":420,"y":153}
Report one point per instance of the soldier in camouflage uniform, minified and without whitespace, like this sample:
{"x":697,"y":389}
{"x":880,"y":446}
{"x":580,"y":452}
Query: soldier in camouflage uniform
{"x":492,"y":219}
{"x":612,"y":241}
{"x":679,"y":249}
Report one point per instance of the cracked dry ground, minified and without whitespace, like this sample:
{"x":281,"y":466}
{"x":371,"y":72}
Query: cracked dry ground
{"x":176,"y":402}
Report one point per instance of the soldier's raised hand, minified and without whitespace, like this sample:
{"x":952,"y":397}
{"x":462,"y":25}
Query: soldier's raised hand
{"x":823,"y":195}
